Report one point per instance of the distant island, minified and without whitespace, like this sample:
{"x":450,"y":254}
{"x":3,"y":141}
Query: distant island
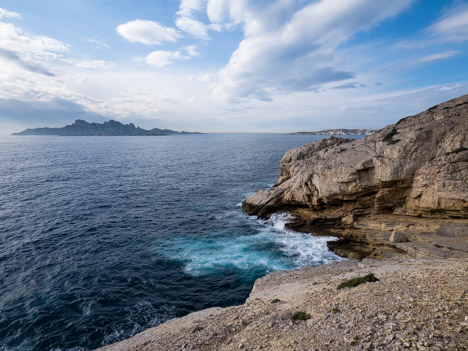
{"x":110,"y":128}
{"x":358,"y":131}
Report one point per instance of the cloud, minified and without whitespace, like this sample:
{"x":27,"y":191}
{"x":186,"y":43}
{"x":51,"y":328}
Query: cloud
{"x":349,"y":86}
{"x":147,"y":32}
{"x":8,"y":14}
{"x":289,"y":46}
{"x":436,"y":57}
{"x":191,"y":26}
{"x":425,"y":59}
{"x":87,"y":64}
{"x":29,"y":47}
{"x":38,"y":54}
{"x":185,"y":18}
{"x":161,"y":59}
{"x":32,"y":53}
{"x":453,"y":25}
{"x":14,"y":57}
{"x":40,"y":69}
{"x":450,"y":27}
{"x":222,"y":14}
{"x":99,"y":44}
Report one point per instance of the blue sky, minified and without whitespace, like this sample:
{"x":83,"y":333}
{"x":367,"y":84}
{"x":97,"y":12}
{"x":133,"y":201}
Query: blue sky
{"x":229,"y":65}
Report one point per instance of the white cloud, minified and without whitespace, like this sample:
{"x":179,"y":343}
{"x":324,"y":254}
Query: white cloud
{"x":99,"y":44}
{"x":436,"y":57}
{"x":87,"y":64}
{"x":191,"y":26}
{"x":37,"y":69}
{"x":191,"y":50}
{"x":147,"y":32}
{"x":8,"y":14}
{"x":450,"y":27}
{"x":30,"y":46}
{"x":453,"y":25}
{"x":291,"y":47}
{"x":188,"y":7}
{"x":422,"y":60}
{"x":31,"y":53}
{"x":222,"y":14}
{"x":161,"y":58}
{"x":226,"y":11}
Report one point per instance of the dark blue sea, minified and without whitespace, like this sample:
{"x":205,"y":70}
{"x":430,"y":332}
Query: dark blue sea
{"x":103,"y":237}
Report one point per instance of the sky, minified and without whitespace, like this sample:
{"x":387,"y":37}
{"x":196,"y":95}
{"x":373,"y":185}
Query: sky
{"x":229,"y":65}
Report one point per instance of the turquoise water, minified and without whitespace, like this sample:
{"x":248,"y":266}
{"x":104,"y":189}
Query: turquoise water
{"x":103,"y":237}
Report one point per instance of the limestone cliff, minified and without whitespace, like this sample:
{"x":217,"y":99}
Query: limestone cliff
{"x":417,"y":167}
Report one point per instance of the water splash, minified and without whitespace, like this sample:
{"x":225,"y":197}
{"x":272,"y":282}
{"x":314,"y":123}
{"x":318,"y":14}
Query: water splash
{"x":272,"y":247}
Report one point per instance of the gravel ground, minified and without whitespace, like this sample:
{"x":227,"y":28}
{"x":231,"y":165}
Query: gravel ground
{"x":417,"y":304}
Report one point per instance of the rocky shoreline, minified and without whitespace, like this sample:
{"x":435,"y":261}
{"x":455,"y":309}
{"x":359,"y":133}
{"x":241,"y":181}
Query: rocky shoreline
{"x":398,"y":202}
{"x":410,"y":177}
{"x":417,"y":304}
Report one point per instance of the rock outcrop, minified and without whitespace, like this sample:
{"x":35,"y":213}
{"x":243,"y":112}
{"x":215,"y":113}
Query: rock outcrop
{"x":416,"y":305}
{"x":417,"y":167}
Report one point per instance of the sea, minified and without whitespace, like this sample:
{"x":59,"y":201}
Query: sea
{"x":104,"y":237}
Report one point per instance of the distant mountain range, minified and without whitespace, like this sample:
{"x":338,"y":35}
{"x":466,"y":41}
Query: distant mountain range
{"x":110,"y":128}
{"x":358,"y":131}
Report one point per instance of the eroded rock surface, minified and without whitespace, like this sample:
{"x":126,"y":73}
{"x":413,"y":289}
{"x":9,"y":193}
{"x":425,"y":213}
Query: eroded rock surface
{"x":416,"y":168}
{"x":417,"y":304}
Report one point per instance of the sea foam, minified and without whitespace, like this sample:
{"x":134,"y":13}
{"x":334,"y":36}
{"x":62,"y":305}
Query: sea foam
{"x":272,"y":247}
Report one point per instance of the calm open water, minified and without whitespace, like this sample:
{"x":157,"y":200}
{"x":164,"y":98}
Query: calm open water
{"x":103,"y":237}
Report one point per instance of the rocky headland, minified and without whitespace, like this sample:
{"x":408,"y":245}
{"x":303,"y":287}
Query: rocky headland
{"x":410,"y":178}
{"x":399,"y":195}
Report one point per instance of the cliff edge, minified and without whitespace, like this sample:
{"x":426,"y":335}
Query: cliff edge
{"x":416,"y":168}
{"x":417,"y":304}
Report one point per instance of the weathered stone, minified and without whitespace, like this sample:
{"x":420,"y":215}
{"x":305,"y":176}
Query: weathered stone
{"x":397,"y":237}
{"x":422,"y":170}
{"x":366,"y":321}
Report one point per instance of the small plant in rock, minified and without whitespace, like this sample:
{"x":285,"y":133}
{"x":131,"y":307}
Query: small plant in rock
{"x":370,"y":278}
{"x":300,"y":316}
{"x":389,"y":137}
{"x":335,"y":310}
{"x":275,"y":300}
{"x":393,"y":141}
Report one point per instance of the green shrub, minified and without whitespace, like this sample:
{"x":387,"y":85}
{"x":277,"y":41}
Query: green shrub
{"x":370,"y":278}
{"x":300,"y":316}
{"x":275,"y":300}
{"x":393,"y":141}
{"x":390,"y":135}
{"x":335,"y":310}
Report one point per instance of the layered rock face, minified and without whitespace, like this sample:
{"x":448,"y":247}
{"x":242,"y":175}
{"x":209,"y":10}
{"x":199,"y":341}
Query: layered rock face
{"x":416,"y":167}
